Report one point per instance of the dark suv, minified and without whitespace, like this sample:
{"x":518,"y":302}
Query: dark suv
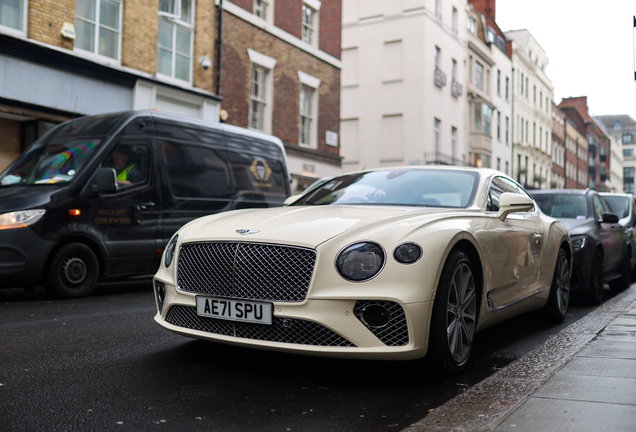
{"x":602,"y":251}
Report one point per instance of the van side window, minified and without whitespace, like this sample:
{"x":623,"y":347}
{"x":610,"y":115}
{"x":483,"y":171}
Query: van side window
{"x":195,"y":172}
{"x":256,"y":176}
{"x":130,"y":162}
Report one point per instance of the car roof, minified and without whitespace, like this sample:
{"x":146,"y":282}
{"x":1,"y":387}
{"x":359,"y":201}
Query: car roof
{"x":559,"y":191}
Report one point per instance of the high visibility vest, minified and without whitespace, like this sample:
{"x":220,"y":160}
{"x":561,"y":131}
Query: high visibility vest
{"x":123,"y":175}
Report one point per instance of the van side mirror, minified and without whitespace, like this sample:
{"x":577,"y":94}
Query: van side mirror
{"x":610,"y":218}
{"x":104,"y":180}
{"x":513,"y":203}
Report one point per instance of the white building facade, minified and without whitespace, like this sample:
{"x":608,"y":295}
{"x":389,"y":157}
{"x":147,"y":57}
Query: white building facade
{"x":532,"y":121}
{"x":403,"y":97}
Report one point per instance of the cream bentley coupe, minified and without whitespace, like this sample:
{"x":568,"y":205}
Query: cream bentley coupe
{"x":397,"y":263}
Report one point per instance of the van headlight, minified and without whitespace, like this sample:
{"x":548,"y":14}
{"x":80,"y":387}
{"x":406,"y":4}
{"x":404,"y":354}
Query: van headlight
{"x":172,"y":246}
{"x":20,"y":219}
{"x":360,"y":261}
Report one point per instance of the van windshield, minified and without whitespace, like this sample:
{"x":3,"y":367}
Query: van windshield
{"x":47,"y":162}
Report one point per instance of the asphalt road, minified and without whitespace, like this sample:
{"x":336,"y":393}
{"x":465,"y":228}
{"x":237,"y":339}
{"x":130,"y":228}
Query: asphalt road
{"x":101,"y":363}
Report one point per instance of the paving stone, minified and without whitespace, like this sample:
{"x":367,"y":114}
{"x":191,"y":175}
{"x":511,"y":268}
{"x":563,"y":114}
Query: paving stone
{"x":590,"y":388}
{"x":596,"y":366}
{"x":609,"y":349}
{"x":538,"y":414}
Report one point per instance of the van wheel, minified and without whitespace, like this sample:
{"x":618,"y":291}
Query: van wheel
{"x":73,"y":271}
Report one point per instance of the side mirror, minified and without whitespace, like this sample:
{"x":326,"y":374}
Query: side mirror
{"x":610,"y":218}
{"x":512,"y":203}
{"x":104,"y":180}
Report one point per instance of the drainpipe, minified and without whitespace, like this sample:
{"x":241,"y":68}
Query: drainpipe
{"x":218,"y":60}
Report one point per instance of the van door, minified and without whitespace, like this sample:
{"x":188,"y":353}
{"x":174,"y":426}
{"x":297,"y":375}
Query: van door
{"x":258,"y":172}
{"x":195,"y":182}
{"x":128,"y":218}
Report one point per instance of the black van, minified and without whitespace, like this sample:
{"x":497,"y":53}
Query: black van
{"x":98,"y":198}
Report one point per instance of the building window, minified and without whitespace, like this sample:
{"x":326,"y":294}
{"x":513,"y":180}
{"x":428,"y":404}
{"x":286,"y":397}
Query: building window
{"x":261,"y":8}
{"x":438,"y":9}
{"x":534,"y":91}
{"x":499,"y":126}
{"x":526,"y":87}
{"x":310,"y":22}
{"x":507,"y":80}
{"x":628,"y":152}
{"x":13,"y":15}
{"x":436,"y":126}
{"x":483,"y":118}
{"x":507,"y":131}
{"x":455,"y":20}
{"x":498,"y":81}
{"x":258,"y":101}
{"x":628,"y":138}
{"x":541,"y":99}
{"x":507,"y":166}
{"x":175,"y":41}
{"x":521,"y":82}
{"x":479,"y":75}
{"x":453,"y":142}
{"x":308,"y":110}
{"x":471,"y":25}
{"x":97,"y":27}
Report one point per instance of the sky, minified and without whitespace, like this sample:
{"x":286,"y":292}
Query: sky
{"x":589,"y":44}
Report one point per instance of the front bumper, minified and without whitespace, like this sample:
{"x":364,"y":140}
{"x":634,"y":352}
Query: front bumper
{"x":23,"y":255}
{"x":324,"y":327}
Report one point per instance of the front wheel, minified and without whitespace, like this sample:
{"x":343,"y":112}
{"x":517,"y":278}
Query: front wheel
{"x":454,"y":316}
{"x":73,"y":271}
{"x":622,"y":283}
{"x":559,"y":298}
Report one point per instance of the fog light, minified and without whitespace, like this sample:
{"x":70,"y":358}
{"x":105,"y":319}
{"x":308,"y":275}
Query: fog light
{"x":376,"y":316}
{"x":160,"y":290}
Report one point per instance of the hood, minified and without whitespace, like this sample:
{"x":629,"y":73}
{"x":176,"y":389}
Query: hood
{"x":306,"y":226}
{"x":578,"y":226}
{"x":15,"y":198}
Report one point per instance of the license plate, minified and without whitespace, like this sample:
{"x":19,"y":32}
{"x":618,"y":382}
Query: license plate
{"x":234,"y":310}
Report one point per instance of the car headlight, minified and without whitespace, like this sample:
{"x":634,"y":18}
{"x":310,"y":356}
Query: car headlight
{"x":578,"y":243}
{"x":20,"y":219}
{"x":360,"y":261}
{"x":172,"y":246}
{"x":407,"y":253}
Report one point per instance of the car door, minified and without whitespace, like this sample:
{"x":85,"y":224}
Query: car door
{"x":128,"y":218}
{"x":515,"y":272}
{"x":612,"y":236}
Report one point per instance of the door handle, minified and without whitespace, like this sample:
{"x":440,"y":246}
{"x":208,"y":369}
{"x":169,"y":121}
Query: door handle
{"x":537,"y":235}
{"x":146,"y":205}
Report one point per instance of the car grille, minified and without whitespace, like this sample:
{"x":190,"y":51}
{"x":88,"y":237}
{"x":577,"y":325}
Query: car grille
{"x":246,"y":270}
{"x":396,"y":332}
{"x":285,"y":330}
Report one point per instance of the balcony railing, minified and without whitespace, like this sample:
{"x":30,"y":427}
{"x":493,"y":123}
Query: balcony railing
{"x":440,"y":77}
{"x":456,"y":88}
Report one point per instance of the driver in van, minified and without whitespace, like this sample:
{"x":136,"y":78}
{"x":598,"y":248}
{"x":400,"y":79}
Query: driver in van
{"x":127,"y":173}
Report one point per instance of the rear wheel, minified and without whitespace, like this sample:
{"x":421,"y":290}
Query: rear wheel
{"x":625,"y":280}
{"x":595,"y":295}
{"x":559,"y":299}
{"x":73,"y":271}
{"x":454,"y":315}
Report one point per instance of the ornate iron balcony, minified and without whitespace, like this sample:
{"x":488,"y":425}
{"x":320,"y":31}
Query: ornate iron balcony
{"x":456,"y":88}
{"x":440,"y":77}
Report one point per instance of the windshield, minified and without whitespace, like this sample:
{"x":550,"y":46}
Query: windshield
{"x":563,"y":206}
{"x":618,"y":204}
{"x":417,"y":187}
{"x":47,"y":163}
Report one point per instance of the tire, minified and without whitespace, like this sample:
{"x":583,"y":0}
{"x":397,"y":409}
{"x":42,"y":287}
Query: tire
{"x":557,"y":306}
{"x":73,"y":271}
{"x":454,"y":317}
{"x":595,"y":294}
{"x":624,"y":282}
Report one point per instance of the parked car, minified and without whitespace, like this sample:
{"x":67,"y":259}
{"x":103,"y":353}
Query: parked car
{"x":98,"y":198}
{"x":602,"y":252}
{"x":624,"y":206}
{"x":386,"y":264}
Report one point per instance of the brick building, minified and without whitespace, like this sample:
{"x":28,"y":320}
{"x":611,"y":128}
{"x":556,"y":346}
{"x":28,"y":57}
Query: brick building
{"x":558,"y":149}
{"x":571,"y":135}
{"x":280,"y":73}
{"x":598,"y":142}
{"x":60,"y":59}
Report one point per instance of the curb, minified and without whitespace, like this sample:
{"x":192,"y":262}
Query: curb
{"x":486,"y":404}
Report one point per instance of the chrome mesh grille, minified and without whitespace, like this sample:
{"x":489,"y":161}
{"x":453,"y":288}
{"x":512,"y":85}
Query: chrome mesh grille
{"x":246,"y":270}
{"x":396,"y":332}
{"x":285,"y":330}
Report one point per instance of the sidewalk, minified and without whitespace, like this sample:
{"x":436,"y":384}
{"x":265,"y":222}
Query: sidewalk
{"x":581,"y":379}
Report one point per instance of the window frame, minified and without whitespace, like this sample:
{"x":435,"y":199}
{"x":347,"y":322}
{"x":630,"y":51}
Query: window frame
{"x":268,"y":64}
{"x":176,"y":22}
{"x":94,"y":54}
{"x":312,"y":84}
{"x":24,"y":22}
{"x":314,"y":27}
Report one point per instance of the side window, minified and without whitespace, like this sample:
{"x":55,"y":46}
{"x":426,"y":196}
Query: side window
{"x":509,"y":186}
{"x":195,"y":172}
{"x":257,"y":176}
{"x":599,"y":207}
{"x":130,"y":162}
